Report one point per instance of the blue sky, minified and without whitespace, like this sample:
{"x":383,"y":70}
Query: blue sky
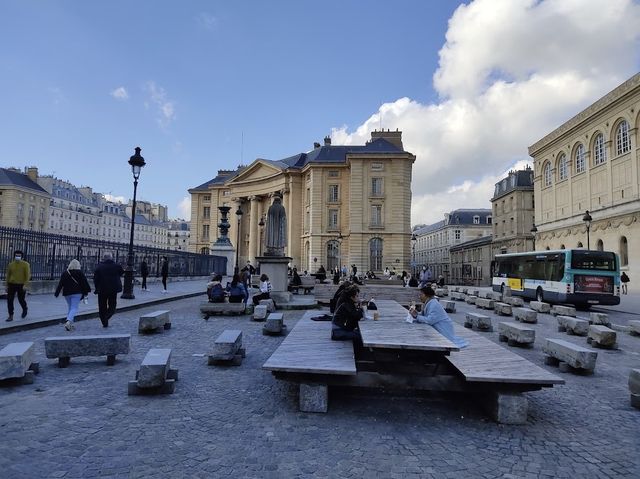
{"x":83,"y":83}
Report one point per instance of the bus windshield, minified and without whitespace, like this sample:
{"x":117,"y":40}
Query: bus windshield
{"x":594,"y":260}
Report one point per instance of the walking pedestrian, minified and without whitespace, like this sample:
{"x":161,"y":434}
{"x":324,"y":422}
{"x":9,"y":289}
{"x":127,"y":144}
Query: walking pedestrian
{"x":144,"y":272}
{"x":165,"y":273}
{"x":17,"y":278}
{"x":75,"y":287}
{"x":624,"y":278}
{"x":108,"y":284}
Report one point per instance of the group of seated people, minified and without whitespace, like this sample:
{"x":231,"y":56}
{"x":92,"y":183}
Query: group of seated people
{"x":236,"y":291}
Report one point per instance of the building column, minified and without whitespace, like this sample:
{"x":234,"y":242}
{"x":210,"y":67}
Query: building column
{"x":253,"y":229}
{"x":286,"y":201}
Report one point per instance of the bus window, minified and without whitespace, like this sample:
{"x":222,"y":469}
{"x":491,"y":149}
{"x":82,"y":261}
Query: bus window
{"x":598,"y":260}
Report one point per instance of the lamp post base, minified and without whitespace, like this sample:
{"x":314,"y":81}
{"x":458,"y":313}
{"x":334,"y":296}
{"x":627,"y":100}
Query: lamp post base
{"x":127,"y":290}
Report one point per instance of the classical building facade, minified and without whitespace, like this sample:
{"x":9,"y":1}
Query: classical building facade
{"x":591,"y":162}
{"x":178,"y":235}
{"x":471,"y":262}
{"x":434,"y":241}
{"x":23,"y":203}
{"x":513,"y":209}
{"x":345,"y":205}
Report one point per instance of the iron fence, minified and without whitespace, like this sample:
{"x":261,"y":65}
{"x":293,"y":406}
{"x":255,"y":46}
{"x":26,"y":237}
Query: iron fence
{"x":49,"y":255}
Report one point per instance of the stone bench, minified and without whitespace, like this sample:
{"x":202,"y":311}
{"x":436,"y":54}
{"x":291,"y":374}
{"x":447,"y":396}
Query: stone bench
{"x":599,"y":318}
{"x":457,"y":296}
{"x":560,"y":310}
{"x":579,"y":327}
{"x":449,"y":306}
{"x":470,"y":299}
{"x":567,"y":355}
{"x":209,"y":309}
{"x":502,"y":309}
{"x":540,"y":307}
{"x":514,"y":301}
{"x":473,"y":292}
{"x":275,"y":325}
{"x":227,"y":349}
{"x":484,"y":303}
{"x":525,"y":315}
{"x":17,"y":362}
{"x":516,"y":334}
{"x":66,"y":347}
{"x":155,"y":375}
{"x":156,"y":321}
{"x":634,"y":387}
{"x":307,"y":284}
{"x":271,"y":306}
{"x":634,"y":327}
{"x":602,"y":337}
{"x":260,"y":312}
{"x":441,"y":292}
{"x":478,"y":322}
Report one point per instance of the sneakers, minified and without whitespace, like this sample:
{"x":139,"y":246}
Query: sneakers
{"x":10,"y":318}
{"x":24,"y":313}
{"x":164,"y":291}
{"x":69,"y":326}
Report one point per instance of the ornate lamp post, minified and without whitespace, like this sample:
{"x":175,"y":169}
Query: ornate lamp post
{"x":534,"y":230}
{"x":239,"y":216}
{"x":136,"y":162}
{"x":261,"y":225}
{"x":587,"y":221}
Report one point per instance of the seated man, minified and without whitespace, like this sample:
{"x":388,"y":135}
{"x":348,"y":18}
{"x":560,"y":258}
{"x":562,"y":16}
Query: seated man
{"x":435,"y":316}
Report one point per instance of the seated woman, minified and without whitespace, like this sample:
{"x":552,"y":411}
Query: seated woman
{"x":413,"y":282}
{"x":321,"y":274}
{"x":215,"y":291}
{"x":295,"y":282}
{"x":237,"y":291}
{"x":348,"y":313}
{"x":265,"y":290}
{"x":434,"y":315}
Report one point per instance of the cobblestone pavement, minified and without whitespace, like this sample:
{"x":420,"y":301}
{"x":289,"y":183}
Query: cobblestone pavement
{"x":79,"y":422}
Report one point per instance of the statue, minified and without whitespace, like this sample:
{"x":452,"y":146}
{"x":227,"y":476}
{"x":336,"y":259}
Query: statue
{"x":276,"y":238}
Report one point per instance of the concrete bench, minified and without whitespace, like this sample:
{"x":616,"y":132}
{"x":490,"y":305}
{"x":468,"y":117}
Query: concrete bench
{"x":484,"y":303}
{"x":514,"y":301}
{"x":227,"y":349}
{"x":449,"y":306}
{"x":567,"y":355}
{"x":464,"y":291}
{"x":579,"y":327}
{"x":275,"y":325}
{"x":599,"y":318}
{"x":441,"y":292}
{"x":473,"y":292}
{"x":457,"y":296}
{"x":525,"y":315}
{"x":307,"y":284}
{"x":155,"y":375}
{"x":634,"y":387}
{"x":560,"y":310}
{"x":602,"y":337}
{"x":478,"y":322}
{"x":540,"y":307}
{"x":516,"y":334}
{"x":502,"y":309}
{"x":17,"y":362}
{"x":66,"y":347}
{"x":209,"y":309}
{"x":470,"y":299}
{"x":634,"y":327}
{"x":156,"y":321}
{"x":260,"y":312}
{"x":271,"y":306}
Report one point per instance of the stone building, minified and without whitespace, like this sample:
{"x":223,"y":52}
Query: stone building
{"x":178,"y":235}
{"x":23,"y":203}
{"x":471,"y":262}
{"x":513,"y":213}
{"x":345,"y":205}
{"x":591,"y":162}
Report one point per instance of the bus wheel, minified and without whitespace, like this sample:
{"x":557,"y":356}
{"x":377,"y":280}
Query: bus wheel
{"x":539,"y":295}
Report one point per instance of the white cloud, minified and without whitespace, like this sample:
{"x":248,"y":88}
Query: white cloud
{"x":120,"y":93}
{"x":184,"y":207}
{"x":165,"y":107}
{"x":115,"y":199}
{"x":510,"y":72}
{"x":207,"y":21}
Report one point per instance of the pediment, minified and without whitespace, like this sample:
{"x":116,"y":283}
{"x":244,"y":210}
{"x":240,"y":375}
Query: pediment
{"x":259,"y":170}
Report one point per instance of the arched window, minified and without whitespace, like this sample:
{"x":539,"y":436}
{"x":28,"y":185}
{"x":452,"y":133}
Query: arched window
{"x":547,"y":174}
{"x":624,"y":251}
{"x":375,"y":254}
{"x":623,"y":142}
{"x":547,"y":248}
{"x":562,"y":246}
{"x":562,"y":167}
{"x":333,"y":254}
{"x":204,"y":250}
{"x":599,"y":152}
{"x":600,"y":245}
{"x":579,"y":245}
{"x":579,"y":159}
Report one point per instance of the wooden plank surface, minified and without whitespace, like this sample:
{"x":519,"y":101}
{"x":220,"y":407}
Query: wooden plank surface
{"x":308,"y":348}
{"x":485,"y":361}
{"x":392,"y":331}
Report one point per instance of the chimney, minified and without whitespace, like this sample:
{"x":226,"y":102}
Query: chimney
{"x":316,"y":145}
{"x":32,"y":173}
{"x":327,"y":141}
{"x":393,"y":137}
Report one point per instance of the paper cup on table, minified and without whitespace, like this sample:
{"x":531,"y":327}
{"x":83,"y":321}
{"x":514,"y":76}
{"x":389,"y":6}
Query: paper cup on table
{"x":376,"y":315}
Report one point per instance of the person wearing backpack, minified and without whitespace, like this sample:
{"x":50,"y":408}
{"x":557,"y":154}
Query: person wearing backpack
{"x":215,"y":291}
{"x":624,"y":278}
{"x":237,"y":291}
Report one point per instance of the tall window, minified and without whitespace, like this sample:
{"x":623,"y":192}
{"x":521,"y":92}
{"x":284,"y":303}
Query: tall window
{"x":333,"y":254}
{"x":204,"y":250}
{"x":206,"y":198}
{"x":624,"y":251}
{"x":580,"y":163}
{"x":376,"y":215}
{"x":623,"y":143}
{"x":562,"y":167}
{"x":206,"y":212}
{"x":333,"y":219}
{"x":599,"y":153}
{"x":547,"y":174}
{"x":600,"y":245}
{"x":333,"y":193}
{"x":457,"y":234}
{"x":476,"y":220}
{"x":376,"y":186}
{"x":205,"y":232}
{"x":375,"y":254}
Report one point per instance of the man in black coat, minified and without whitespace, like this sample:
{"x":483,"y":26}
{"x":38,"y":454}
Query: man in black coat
{"x":106,"y":279}
{"x":144,"y":271}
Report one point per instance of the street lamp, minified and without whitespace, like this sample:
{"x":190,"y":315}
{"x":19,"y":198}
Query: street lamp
{"x":261,"y":225}
{"x":136,"y":162}
{"x":239,"y":216}
{"x":534,"y":230}
{"x":587,"y":221}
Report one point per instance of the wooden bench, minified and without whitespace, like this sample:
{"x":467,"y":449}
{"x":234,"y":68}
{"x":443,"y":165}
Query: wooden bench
{"x":634,"y":387}
{"x":274,"y":326}
{"x":525,"y":315}
{"x":155,"y":375}
{"x":602,"y":337}
{"x":516,"y":334}
{"x":568,"y":356}
{"x":579,"y":327}
{"x":66,"y":347}
{"x":480,"y":322}
{"x":153,"y":322}
{"x":561,"y":310}
{"x":17,"y":362}
{"x":227,"y":349}
{"x":209,"y":309}
{"x":324,"y":292}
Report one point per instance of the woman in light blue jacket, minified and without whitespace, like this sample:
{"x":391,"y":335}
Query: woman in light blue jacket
{"x":434,"y":315}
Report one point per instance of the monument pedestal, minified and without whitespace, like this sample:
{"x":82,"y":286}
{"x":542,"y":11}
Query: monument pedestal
{"x":228,"y":252}
{"x":276,"y":268}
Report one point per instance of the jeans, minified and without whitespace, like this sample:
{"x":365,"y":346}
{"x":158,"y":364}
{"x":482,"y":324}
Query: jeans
{"x":12,"y":289}
{"x":73,"y":301}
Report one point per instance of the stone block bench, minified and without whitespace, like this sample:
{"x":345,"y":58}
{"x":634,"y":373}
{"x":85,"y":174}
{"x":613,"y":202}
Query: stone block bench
{"x":154,"y":322}
{"x":599,"y":318}
{"x":473,"y":292}
{"x":271,"y":306}
{"x":307,"y":284}
{"x":449,"y":306}
{"x":17,"y":362}
{"x":457,"y":296}
{"x":514,"y":301}
{"x":540,"y":307}
{"x":209,"y":309}
{"x":569,"y":356}
{"x":484,"y":303}
{"x":227,"y":349}
{"x":470,"y":299}
{"x":560,"y":310}
{"x":275,"y":325}
{"x":478,"y":322}
{"x":634,"y":387}
{"x":525,"y":315}
{"x":155,"y":375}
{"x":260,"y":312}
{"x":516,"y":334}
{"x":634,"y":327}
{"x":579,"y":327}
{"x":502,"y":309}
{"x":66,"y":347}
{"x":441,"y":292}
{"x":602,"y":337}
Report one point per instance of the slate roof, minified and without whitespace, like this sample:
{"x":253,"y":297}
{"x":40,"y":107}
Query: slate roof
{"x":523,"y":181}
{"x":484,"y":240}
{"x":457,"y":217}
{"x":13,"y":178}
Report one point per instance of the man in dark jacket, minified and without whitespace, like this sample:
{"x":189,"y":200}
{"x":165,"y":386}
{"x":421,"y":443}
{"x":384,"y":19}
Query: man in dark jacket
{"x":144,"y":272}
{"x":108,"y":284}
{"x":164,"y":272}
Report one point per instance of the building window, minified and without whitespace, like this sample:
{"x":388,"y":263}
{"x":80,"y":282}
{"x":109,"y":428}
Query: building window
{"x":377,"y":167}
{"x":456,"y":234}
{"x":204,"y":250}
{"x":476,"y":220}
{"x":562,"y":167}
{"x":623,"y":143}
{"x":624,"y":251}
{"x":580,"y":163}
{"x":205,"y":232}
{"x":376,"y":215}
{"x":375,"y":254}
{"x":334,"y":174}
{"x":206,"y":212}
{"x":333,"y":219}
{"x":547,"y":174}
{"x":333,"y":255}
{"x":334,"y":194}
{"x":599,"y":153}
{"x":600,"y":245}
{"x":206,"y":198}
{"x":489,"y":220}
{"x":376,"y":187}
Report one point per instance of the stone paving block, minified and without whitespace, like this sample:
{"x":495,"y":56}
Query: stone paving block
{"x":155,"y":321}
{"x":540,"y":307}
{"x":484,"y":303}
{"x":274,"y":324}
{"x":502,"y":309}
{"x":516,"y":333}
{"x":575,"y":356}
{"x":507,"y":408}
{"x":470,"y":299}
{"x":314,"y":397}
{"x":478,"y":321}
{"x":449,"y":306}
{"x":154,"y":368}
{"x":599,"y":318}
{"x":514,"y":301}
{"x":601,"y":336}
{"x":16,"y":359}
{"x":562,"y":310}
{"x":579,"y":327}
{"x":525,"y":315}
{"x":271,"y":307}
{"x":260,"y":312}
{"x":227,"y":344}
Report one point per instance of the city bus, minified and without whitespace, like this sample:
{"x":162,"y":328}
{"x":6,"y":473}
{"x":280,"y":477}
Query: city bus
{"x":576,"y":276}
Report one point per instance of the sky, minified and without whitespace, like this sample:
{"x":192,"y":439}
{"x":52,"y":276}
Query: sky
{"x":208,"y":85}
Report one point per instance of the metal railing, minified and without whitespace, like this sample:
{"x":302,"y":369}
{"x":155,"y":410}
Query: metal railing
{"x":49,"y":255}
